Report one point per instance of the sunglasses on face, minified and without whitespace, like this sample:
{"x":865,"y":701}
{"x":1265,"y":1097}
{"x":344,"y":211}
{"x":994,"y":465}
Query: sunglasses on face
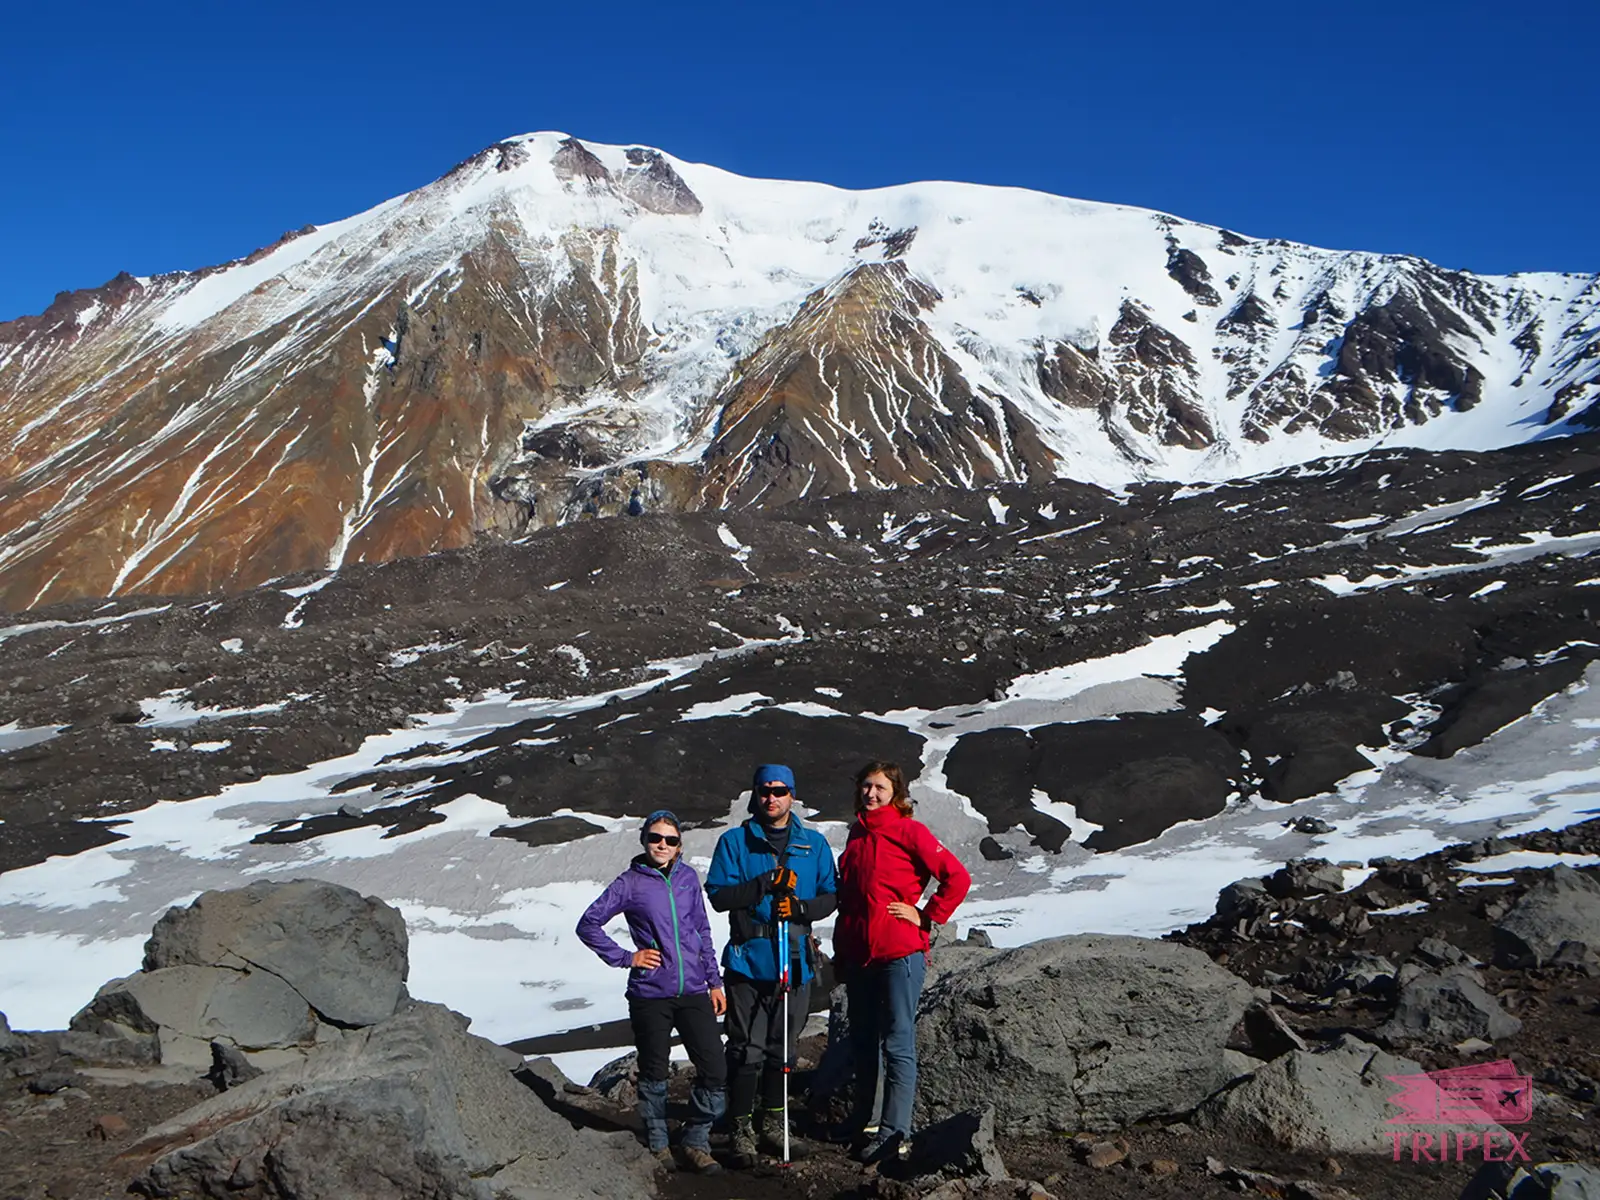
{"x":776,"y":789}
{"x":670,"y":839}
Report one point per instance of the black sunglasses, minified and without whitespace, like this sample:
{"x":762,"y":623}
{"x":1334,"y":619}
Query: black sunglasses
{"x":670,"y":839}
{"x":776,"y":789}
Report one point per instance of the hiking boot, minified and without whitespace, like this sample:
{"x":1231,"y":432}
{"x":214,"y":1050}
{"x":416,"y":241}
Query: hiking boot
{"x":742,"y":1145}
{"x":885,"y":1144}
{"x":700,"y":1161}
{"x":769,"y":1134}
{"x":664,"y":1158}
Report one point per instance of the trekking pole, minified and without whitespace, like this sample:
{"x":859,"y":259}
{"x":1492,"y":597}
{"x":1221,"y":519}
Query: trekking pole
{"x":783,"y":983}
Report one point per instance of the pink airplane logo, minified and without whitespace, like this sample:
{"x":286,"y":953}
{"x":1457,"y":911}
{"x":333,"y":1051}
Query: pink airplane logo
{"x":1472,"y":1095}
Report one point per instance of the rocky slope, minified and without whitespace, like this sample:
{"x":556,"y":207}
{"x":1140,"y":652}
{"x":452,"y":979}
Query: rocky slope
{"x":556,"y":329}
{"x":1118,"y":1067}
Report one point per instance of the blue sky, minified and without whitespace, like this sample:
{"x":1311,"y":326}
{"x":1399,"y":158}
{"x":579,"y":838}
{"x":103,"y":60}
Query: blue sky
{"x":174,"y":135}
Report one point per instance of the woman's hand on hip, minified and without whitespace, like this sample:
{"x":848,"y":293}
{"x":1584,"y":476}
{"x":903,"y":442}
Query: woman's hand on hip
{"x":906,"y":912}
{"x":719,"y":1002}
{"x":648,"y":959}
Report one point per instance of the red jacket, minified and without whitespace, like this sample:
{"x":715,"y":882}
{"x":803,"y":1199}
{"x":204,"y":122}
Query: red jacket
{"x":891,"y":857}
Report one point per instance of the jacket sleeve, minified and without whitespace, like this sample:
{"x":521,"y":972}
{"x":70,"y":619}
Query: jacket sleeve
{"x":930,"y":856}
{"x":822,"y":905}
{"x":591,"y":926}
{"x":725,"y":884}
{"x":708,"y":952}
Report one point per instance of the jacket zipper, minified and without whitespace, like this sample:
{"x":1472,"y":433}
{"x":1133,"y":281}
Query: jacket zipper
{"x":677,"y":942}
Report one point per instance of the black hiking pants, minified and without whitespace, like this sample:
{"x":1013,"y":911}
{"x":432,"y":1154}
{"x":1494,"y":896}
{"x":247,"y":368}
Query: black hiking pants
{"x":756,"y":1040}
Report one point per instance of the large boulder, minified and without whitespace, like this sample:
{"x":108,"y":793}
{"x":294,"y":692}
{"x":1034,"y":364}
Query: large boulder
{"x":345,"y":953}
{"x":1445,"y":1007}
{"x":1084,"y":1032}
{"x":10,"y":1044}
{"x":412,"y":1107}
{"x":1556,"y":921}
{"x":1329,"y":1100}
{"x":186,"y":1007}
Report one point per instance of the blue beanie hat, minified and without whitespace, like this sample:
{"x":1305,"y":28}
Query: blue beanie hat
{"x":769,"y":773}
{"x":660,"y":814}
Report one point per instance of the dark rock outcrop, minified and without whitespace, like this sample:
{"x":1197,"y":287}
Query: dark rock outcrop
{"x":413,"y":1106}
{"x":1084,"y":1032}
{"x":345,"y":953}
{"x":1445,"y":1007}
{"x":1556,"y":921}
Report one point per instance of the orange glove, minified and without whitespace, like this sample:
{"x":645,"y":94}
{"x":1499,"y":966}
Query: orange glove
{"x":786,"y":907}
{"x":782,"y":880}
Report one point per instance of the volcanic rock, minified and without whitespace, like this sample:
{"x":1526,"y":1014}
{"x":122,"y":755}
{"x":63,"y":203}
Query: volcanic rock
{"x":1305,"y":877}
{"x":413,"y":1106}
{"x":962,"y":1144}
{"x":1331,"y":1100}
{"x":1557,"y":920}
{"x":1445,"y":1007}
{"x":188,"y":1006}
{"x":344,"y":953}
{"x":1082,"y":1032}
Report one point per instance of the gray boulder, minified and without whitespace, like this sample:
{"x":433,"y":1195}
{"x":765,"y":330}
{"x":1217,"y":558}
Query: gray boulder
{"x":962,"y":1145}
{"x":188,"y":1006}
{"x":1242,"y":900}
{"x":345,"y":953}
{"x":1371,"y":974}
{"x":1088,"y":1032}
{"x":1330,"y":1100}
{"x":412,"y":1107}
{"x":1437,"y":952}
{"x":1304,"y":877}
{"x":1556,"y":921}
{"x":1446,"y":1007}
{"x":10,"y":1044}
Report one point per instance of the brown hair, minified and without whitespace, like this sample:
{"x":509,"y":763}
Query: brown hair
{"x":900,"y":796}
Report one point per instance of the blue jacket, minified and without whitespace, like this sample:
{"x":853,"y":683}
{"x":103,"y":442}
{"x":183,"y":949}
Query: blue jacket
{"x":735,"y":882}
{"x":665,"y":913}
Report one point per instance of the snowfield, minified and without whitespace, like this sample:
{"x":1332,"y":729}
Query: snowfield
{"x":491,"y":921}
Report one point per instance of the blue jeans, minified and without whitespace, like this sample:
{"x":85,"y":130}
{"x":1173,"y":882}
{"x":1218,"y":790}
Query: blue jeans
{"x":883,"y":1016}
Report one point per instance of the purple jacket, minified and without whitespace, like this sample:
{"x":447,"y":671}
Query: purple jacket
{"x":665,"y":913}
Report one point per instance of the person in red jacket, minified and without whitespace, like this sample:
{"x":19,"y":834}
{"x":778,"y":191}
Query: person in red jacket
{"x":880,"y":944}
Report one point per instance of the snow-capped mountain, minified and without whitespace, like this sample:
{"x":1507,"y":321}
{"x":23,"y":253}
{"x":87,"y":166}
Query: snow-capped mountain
{"x":557,"y":328}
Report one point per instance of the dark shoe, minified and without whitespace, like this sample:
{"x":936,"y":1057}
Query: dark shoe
{"x":742,"y":1145}
{"x":700,"y":1161}
{"x":769,"y":1135}
{"x":664,"y":1158}
{"x":886,"y":1143}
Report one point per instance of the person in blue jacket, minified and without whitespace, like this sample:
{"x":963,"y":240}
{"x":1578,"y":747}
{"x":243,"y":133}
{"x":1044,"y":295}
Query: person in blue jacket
{"x":673,"y":981}
{"x":770,"y":868}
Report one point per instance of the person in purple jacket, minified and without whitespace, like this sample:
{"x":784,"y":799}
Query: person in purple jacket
{"x":673,"y":981}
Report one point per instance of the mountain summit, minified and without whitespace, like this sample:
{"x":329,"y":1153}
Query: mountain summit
{"x":558,"y":328}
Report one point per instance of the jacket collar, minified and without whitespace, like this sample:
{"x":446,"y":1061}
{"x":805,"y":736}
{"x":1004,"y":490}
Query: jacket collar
{"x":758,"y":831}
{"x":641,"y":862}
{"x":874,"y":819}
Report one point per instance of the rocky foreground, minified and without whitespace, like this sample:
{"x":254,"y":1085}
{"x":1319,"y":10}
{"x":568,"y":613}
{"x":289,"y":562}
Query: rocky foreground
{"x":269,"y":1049}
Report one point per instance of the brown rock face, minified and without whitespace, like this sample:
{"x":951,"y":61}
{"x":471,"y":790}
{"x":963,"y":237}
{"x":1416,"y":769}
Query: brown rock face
{"x":223,"y":473}
{"x":856,"y":392}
